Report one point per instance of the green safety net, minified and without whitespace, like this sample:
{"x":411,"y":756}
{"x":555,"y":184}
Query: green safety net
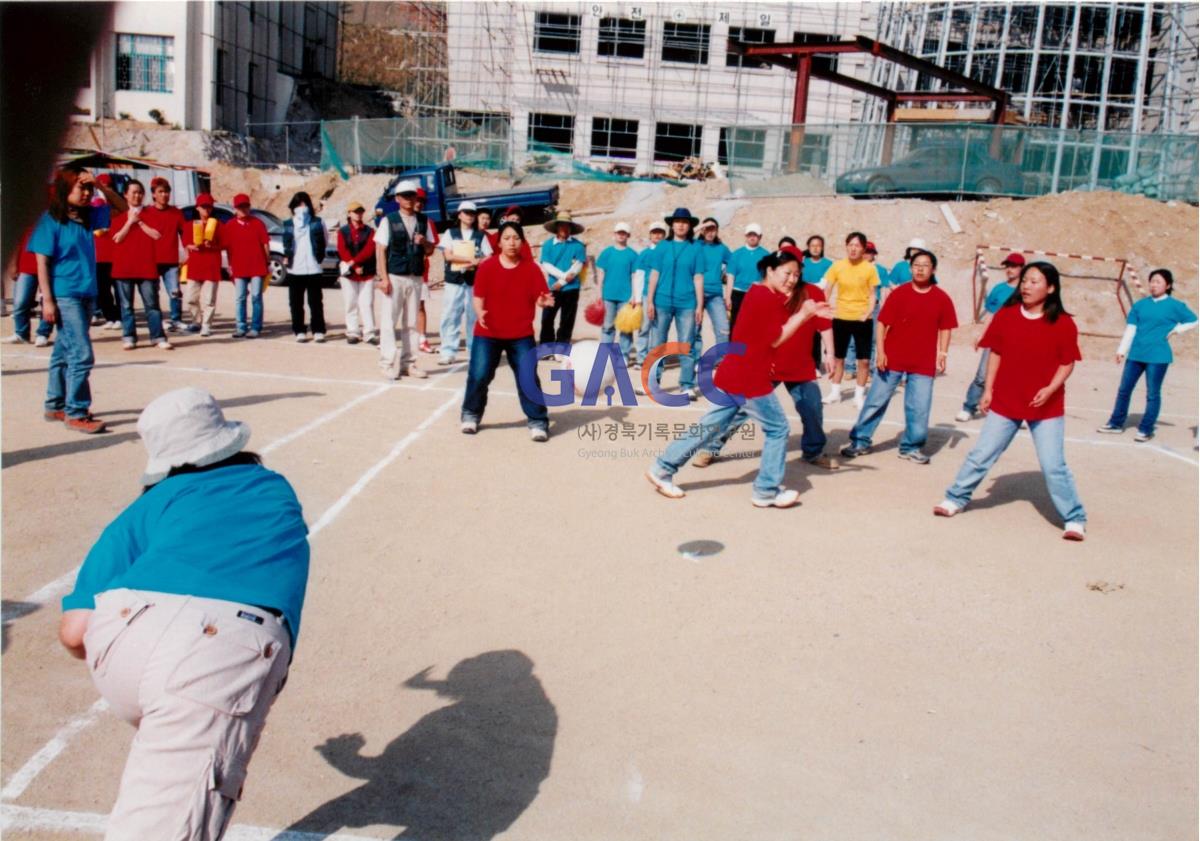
{"x":971,"y":159}
{"x":406,"y":142}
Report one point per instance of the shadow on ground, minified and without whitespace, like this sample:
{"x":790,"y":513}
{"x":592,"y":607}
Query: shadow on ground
{"x":463,"y":773}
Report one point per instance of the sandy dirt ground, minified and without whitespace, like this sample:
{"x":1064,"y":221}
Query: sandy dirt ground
{"x":504,"y":639}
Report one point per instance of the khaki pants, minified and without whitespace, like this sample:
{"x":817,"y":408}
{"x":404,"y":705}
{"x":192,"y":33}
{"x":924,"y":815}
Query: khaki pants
{"x":359,"y":298}
{"x":399,"y":310}
{"x":202,"y":301}
{"x":196,"y":680}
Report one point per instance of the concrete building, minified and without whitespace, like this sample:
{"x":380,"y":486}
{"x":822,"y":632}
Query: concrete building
{"x":643,"y":84}
{"x":210,"y":64}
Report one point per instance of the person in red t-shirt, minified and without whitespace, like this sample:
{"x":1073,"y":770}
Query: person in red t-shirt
{"x":104,"y":204}
{"x":793,"y":365}
{"x":169,"y":222}
{"x":764,"y":324}
{"x":1034,"y":346}
{"x":914,"y":339}
{"x":135,"y":268}
{"x":507,"y":292}
{"x":202,"y":238}
{"x":245,"y":240}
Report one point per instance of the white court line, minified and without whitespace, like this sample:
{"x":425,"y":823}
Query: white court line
{"x":324,"y":419}
{"x":55,"y":820}
{"x":334,"y":510}
{"x":26,"y":774}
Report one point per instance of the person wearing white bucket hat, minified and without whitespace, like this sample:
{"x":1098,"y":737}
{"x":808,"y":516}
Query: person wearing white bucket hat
{"x":186,"y":611}
{"x":464,"y":248}
{"x":902,"y":271}
{"x":615,"y":267}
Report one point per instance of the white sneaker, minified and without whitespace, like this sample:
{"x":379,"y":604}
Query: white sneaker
{"x":1110,"y":430}
{"x":1142,"y":437}
{"x":205,"y":332}
{"x":946,"y":508}
{"x":163,"y":344}
{"x":783,"y":499}
{"x":664,"y":485}
{"x":172,"y":326}
{"x":834,"y":396}
{"x":319,"y":338}
{"x":14,"y":339}
{"x":538,"y":434}
{"x":415,"y":372}
{"x":40,"y":341}
{"x":693,"y":394}
{"x":1074,"y":531}
{"x":251,"y":334}
{"x":113,"y":325}
{"x":469,"y":427}
{"x":963,"y":416}
{"x":300,"y":337}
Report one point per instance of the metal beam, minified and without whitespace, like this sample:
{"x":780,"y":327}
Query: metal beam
{"x":941,"y":96}
{"x":831,"y":47}
{"x":881,"y":50}
{"x":854,"y":84}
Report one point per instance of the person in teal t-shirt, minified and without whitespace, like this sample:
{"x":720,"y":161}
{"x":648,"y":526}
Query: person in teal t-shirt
{"x":815,"y":261}
{"x":562,"y":259}
{"x":187,"y":611}
{"x":1144,"y":349}
{"x":615,"y":267}
{"x":743,"y":270}
{"x":641,"y":289}
{"x":714,"y":263}
{"x":997,"y":297}
{"x":676,"y":290}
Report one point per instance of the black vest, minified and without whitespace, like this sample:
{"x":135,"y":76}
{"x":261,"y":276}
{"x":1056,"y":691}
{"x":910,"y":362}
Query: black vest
{"x":468,"y":276}
{"x":356,"y":242}
{"x":403,"y":257}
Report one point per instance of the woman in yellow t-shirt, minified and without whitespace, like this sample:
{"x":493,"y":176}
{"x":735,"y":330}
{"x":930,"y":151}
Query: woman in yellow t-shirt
{"x":851,"y":285}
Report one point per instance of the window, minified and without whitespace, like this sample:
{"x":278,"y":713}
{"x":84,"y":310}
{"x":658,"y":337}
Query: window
{"x":551,"y":132}
{"x":145,"y":63}
{"x":742,"y":147}
{"x":983,"y":69}
{"x":555,"y":33}
{"x":676,"y":141}
{"x":747,"y":35}
{"x":220,"y":91}
{"x":622,"y":38}
{"x":826,"y":63}
{"x":1014,"y":77}
{"x":253,"y":72}
{"x":686,"y":43}
{"x":613,"y":138}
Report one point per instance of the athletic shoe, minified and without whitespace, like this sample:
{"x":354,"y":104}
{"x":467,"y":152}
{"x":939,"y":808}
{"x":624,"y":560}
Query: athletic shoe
{"x":1074,"y":531}
{"x":319,"y":338}
{"x":239,"y":333}
{"x":469,"y":427}
{"x":783,"y":499}
{"x":963,"y":416}
{"x":205,"y":332}
{"x":916,"y":457}
{"x":193,"y":328}
{"x":834,"y":396}
{"x":14,"y":339}
{"x":425,"y":347}
{"x":172,"y":326}
{"x":538,"y":434}
{"x":946,"y":508}
{"x":251,"y":334}
{"x":1143,"y":437}
{"x":128,"y":344}
{"x":851,"y":451}
{"x":353,"y":338}
{"x":40,"y":341}
{"x":443,"y":360}
{"x":822,"y":461}
{"x":1110,"y":429}
{"x":55,"y":415}
{"x":664,"y":485}
{"x":113,"y":325}
{"x":703,"y":458}
{"x":693,"y":394}
{"x":87,"y":425}
{"x":301,"y":337}
{"x":415,"y":372}
{"x":165,"y":345}
{"x":372,"y":339}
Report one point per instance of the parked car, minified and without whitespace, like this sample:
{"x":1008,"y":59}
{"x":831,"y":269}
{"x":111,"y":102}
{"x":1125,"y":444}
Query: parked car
{"x":937,"y":169}
{"x":329,"y":266}
{"x":443,"y":197}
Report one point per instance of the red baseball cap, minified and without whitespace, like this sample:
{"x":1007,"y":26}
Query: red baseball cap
{"x":794,"y":251}
{"x":204,"y":200}
{"x":241,"y":200}
{"x":105,"y":179}
{"x":158,"y":181}
{"x":421,"y":193}
{"x":871,"y":249}
{"x":510,"y":210}
{"x":1013,"y":259}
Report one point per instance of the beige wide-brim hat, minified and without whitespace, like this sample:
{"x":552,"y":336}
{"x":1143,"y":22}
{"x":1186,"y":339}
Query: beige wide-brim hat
{"x":186,"y":426}
{"x":563,"y":218}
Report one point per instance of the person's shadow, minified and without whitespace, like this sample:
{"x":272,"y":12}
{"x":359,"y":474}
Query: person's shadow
{"x":463,"y":773}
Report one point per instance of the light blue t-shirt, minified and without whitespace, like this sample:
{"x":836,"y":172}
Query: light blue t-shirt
{"x":71,"y":248}
{"x":234,"y":533}
{"x":677,"y":262}
{"x":885,"y":277}
{"x":714,"y":257}
{"x":561,"y":255}
{"x":900,"y":273}
{"x":998,"y":297}
{"x":743,"y":265}
{"x":618,"y":265}
{"x":1154,"y":321}
{"x":813,"y":271}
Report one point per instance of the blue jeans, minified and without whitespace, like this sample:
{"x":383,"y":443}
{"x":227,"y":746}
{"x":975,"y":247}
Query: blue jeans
{"x":807,"y":398}
{"x":718,"y":421}
{"x":918,"y":397}
{"x":149,"y":292}
{"x":255,"y":285}
{"x":456,"y":297}
{"x":608,"y":331}
{"x":975,"y":389}
{"x":685,"y":331}
{"x":71,"y":361}
{"x":170,"y":281}
{"x":24,"y":293}
{"x":995,"y":436}
{"x":1156,"y":372}
{"x":718,"y":317}
{"x":485,"y":359}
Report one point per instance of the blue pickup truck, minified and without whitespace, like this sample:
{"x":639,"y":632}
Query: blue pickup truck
{"x":443,"y":197}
